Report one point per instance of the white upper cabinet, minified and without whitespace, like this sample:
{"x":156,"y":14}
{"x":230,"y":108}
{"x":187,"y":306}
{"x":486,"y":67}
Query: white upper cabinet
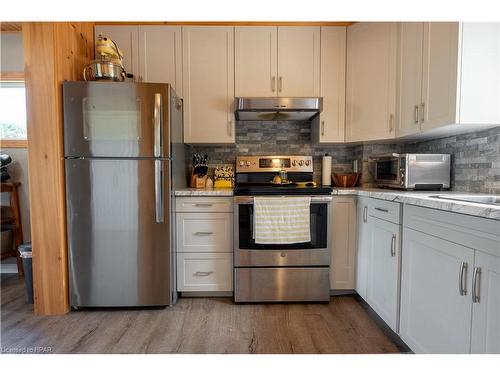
{"x":448,"y":77}
{"x":332,"y":87}
{"x":371,"y":81}
{"x":439,"y":79}
{"x":271,"y":60}
{"x":126,"y":37}
{"x":208,"y":84}
{"x":160,"y":55}
{"x":409,"y":77}
{"x":298,"y":61}
{"x":255,"y":60}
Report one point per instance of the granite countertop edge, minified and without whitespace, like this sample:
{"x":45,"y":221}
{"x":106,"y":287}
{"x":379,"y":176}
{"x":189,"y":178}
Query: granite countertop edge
{"x":422,"y":199}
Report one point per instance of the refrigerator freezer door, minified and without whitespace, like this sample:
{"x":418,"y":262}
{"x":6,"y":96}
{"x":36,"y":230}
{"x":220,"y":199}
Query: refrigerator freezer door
{"x":116,"y":119}
{"x":119,"y":246}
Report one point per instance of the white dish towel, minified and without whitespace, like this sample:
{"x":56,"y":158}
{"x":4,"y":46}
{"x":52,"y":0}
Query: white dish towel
{"x":282,"y":220}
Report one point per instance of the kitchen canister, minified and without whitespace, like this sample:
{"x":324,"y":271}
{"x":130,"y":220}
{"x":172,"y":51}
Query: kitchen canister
{"x":326,"y":171}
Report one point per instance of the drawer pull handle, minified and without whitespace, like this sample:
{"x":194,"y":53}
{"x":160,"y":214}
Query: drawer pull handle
{"x":203,"y":204}
{"x":204,"y":233}
{"x":381,"y":209}
{"x":200,"y":273}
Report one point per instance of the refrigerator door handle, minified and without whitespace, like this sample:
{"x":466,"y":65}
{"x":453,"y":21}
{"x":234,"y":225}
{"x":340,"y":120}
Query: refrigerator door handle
{"x":157,"y":123}
{"x":159,"y":191}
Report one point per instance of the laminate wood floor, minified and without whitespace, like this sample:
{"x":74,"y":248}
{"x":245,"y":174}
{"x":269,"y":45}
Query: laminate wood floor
{"x":195,"y":325}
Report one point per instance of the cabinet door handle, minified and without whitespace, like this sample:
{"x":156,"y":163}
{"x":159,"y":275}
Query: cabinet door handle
{"x":280,"y":84}
{"x":365,"y":214}
{"x":203,"y":204}
{"x":476,"y":285}
{"x":322,"y":127}
{"x":422,"y":114}
{"x":462,"y":279}
{"x":416,"y":114}
{"x":202,"y":273}
{"x":381,"y":209}
{"x":393,"y":246}
{"x":273,"y":83}
{"x":203,"y":233}
{"x":391,"y":123}
{"x":230,"y":128}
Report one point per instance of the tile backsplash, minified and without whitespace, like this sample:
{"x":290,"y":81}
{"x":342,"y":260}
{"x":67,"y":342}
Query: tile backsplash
{"x":475,"y":156}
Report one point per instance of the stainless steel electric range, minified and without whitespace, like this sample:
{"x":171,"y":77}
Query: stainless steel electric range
{"x":280,"y":272}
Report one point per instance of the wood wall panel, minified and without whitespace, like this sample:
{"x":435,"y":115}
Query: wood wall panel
{"x":54,"y":52}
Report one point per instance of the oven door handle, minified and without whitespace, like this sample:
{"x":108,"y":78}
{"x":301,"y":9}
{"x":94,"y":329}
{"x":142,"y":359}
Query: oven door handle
{"x":244,"y":199}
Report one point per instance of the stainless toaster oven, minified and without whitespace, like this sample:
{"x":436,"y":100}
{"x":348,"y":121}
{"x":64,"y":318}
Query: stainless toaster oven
{"x":413,"y":171}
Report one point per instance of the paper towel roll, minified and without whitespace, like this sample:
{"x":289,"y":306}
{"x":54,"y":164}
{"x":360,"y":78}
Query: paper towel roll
{"x":326,"y":172}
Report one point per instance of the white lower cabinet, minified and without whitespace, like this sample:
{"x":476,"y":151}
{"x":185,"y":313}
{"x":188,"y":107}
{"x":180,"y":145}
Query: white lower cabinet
{"x":450,"y":285}
{"x":204,"y":244}
{"x":382,"y":292}
{"x":486,"y":305}
{"x":207,"y":272}
{"x":342,"y":265}
{"x":435,"y":317}
{"x":362,"y":246}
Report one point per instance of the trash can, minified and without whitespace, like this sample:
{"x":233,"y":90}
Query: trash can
{"x":27,"y":255}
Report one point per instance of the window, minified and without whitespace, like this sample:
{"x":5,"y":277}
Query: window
{"x":12,"y":112}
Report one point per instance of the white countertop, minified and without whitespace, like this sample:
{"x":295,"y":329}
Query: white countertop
{"x":422,"y":199}
{"x":192,"y":192}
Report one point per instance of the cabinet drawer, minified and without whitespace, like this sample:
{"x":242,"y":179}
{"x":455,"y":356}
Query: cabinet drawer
{"x":385,"y":210}
{"x":204,"y":232}
{"x":202,"y":272}
{"x":204,"y":204}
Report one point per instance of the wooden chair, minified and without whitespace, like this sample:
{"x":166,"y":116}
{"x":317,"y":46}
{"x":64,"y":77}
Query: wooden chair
{"x":12,"y":221}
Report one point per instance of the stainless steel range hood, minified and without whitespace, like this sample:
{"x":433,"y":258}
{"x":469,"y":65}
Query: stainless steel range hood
{"x":275,"y":108}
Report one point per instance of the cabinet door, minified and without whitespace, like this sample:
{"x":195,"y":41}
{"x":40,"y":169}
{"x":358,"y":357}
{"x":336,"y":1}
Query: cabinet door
{"x":435,"y":317}
{"x":298,"y":61}
{"x":208,"y":84}
{"x":486,"y":306}
{"x":160,"y":55}
{"x":126,"y":37}
{"x":332,"y":118}
{"x":255,"y":60}
{"x":371,"y":81}
{"x":342,"y":265}
{"x":409,"y":77}
{"x":362,"y":245}
{"x":383,"y":270}
{"x":439,"y":86}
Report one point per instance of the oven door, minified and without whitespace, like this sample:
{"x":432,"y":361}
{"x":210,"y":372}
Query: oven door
{"x":388,"y":171}
{"x":313,"y":253}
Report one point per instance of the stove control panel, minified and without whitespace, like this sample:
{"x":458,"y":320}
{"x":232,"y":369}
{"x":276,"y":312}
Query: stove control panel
{"x":245,"y":164}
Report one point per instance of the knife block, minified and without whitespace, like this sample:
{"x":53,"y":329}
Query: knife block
{"x":197,"y":182}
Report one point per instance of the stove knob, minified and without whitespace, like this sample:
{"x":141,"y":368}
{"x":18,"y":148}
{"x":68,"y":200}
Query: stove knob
{"x":308,"y":162}
{"x":248,"y":163}
{"x":301,"y":163}
{"x":294,"y":163}
{"x":242,"y":163}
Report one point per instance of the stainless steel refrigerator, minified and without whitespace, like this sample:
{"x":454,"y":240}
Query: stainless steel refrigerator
{"x":124,"y":156}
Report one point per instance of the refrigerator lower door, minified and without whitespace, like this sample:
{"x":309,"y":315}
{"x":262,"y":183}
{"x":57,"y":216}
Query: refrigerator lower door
{"x":118,"y":232}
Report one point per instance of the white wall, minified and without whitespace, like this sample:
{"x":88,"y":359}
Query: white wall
{"x":12,"y":60}
{"x":11,"y":52}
